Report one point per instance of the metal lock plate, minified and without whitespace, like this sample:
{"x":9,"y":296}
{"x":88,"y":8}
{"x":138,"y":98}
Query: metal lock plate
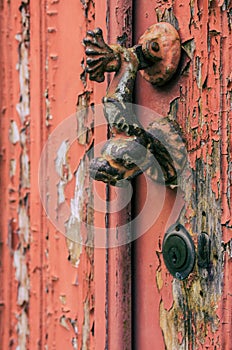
{"x":178,"y":252}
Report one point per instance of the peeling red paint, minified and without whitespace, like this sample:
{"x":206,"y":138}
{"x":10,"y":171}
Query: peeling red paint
{"x":37,"y":255}
{"x":194,"y":101}
{"x":56,"y":291}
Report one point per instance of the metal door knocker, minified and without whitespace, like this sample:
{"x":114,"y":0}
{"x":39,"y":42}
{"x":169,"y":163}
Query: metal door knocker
{"x":130,"y":150}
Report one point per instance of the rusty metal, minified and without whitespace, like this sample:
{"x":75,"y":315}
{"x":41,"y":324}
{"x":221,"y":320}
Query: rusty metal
{"x":195,"y":313}
{"x":161,"y":45}
{"x":131,"y":149}
{"x":203,"y":250}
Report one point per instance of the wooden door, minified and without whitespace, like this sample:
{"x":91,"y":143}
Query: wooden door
{"x":195,"y":313}
{"x":51,"y":293}
{"x":58,"y":292}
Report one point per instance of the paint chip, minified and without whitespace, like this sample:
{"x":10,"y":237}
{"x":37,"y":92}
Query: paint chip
{"x":14,"y":132}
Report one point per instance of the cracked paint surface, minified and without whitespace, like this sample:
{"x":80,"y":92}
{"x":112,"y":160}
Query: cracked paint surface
{"x":77,"y":231}
{"x":20,"y":177}
{"x":63,"y":170}
{"x":190,"y":312}
{"x":62,"y":295}
{"x":48,"y":298}
{"x":74,"y":186}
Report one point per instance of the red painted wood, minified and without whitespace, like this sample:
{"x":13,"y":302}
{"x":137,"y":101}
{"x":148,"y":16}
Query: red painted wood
{"x":147,"y":249}
{"x":200,"y":96}
{"x":56,"y":297}
{"x":10,"y":25}
{"x":37,"y":215}
{"x":119,"y":257}
{"x":100,"y":254}
{"x":147,"y":263}
{"x":60,"y":311}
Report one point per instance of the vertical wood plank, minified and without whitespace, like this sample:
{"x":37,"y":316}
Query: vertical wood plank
{"x":38,"y":137}
{"x":198,"y":99}
{"x":119,"y":262}
{"x":100,"y":216}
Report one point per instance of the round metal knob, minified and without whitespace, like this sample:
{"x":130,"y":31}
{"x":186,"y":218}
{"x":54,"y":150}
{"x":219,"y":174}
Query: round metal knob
{"x":178,"y":252}
{"x":161,"y":46}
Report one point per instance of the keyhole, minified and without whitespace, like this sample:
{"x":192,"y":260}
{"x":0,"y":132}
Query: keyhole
{"x":174,"y":255}
{"x":174,"y":258}
{"x":178,"y":251}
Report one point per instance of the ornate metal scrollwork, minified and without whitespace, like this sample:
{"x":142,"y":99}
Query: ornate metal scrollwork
{"x":131,"y":150}
{"x":159,"y":150}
